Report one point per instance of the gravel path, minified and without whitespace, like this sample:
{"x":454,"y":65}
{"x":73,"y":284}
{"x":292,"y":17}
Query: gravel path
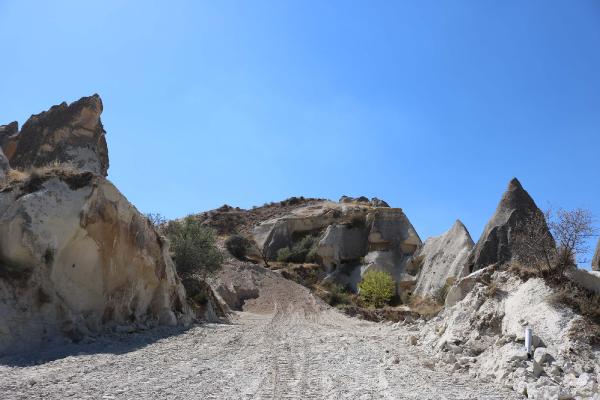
{"x":299,"y":349}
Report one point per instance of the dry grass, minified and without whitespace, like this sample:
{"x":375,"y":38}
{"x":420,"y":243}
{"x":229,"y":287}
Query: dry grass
{"x":31,"y":179}
{"x":426,"y":307}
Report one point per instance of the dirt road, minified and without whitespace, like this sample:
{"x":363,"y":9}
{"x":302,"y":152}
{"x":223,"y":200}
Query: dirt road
{"x":286,"y":345}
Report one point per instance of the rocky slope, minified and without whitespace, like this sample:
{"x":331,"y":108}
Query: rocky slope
{"x":481,"y":329}
{"x":484,"y":333}
{"x":75,"y":256}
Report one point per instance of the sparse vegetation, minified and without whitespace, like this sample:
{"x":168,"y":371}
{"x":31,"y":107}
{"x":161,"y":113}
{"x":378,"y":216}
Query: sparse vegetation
{"x":549,"y":256}
{"x":193,"y":247}
{"x":238,"y":246}
{"x":376,"y":288}
{"x":426,"y":307}
{"x":156,"y":220}
{"x":582,"y":301}
{"x":337,"y":295}
{"x":302,"y":251}
{"x":440,"y":295}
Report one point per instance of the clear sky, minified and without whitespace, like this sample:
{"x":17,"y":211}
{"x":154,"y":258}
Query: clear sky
{"x":431,"y":105}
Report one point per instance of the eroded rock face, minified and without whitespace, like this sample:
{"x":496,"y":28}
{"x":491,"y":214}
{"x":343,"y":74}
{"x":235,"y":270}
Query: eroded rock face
{"x":442,"y":259}
{"x":496,"y":242}
{"x":342,"y":243}
{"x":76,"y":257}
{"x":66,"y":133}
{"x":353,"y":238}
{"x":596,"y":259}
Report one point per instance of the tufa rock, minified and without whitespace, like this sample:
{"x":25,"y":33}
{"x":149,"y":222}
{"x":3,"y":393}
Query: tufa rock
{"x":496,"y":241}
{"x":596,"y":259}
{"x":442,"y":260}
{"x":347,"y":234}
{"x":76,"y":257}
{"x":66,"y":133}
{"x":4,"y":166}
{"x":7,"y":131}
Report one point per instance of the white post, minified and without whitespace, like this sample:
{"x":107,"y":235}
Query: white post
{"x":528,"y":339}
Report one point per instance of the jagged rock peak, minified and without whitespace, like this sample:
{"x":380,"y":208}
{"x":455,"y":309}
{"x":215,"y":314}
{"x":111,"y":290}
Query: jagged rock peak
{"x":496,"y":242}
{"x":66,"y":133}
{"x":442,"y":259}
{"x":596,"y":259}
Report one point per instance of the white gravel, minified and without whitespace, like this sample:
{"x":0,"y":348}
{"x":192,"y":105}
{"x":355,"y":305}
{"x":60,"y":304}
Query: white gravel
{"x":299,"y":349}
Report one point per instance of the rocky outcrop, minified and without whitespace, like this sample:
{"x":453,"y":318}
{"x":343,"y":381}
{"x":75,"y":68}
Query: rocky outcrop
{"x":483,"y":333}
{"x":7,"y":131}
{"x":442,"y":260}
{"x":75,"y":256}
{"x":4,"y":167}
{"x":374,"y":202}
{"x":596,"y":259}
{"x":342,"y":243}
{"x":353,"y":237}
{"x":497,"y":240}
{"x":66,"y":133}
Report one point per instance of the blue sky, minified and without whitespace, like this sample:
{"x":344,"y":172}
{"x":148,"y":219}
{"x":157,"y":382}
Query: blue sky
{"x":432,"y":106}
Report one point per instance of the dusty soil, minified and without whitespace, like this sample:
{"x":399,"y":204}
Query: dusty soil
{"x":286,"y":344}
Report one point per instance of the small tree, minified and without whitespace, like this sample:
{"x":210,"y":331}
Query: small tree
{"x":156,"y":220}
{"x":238,"y":246}
{"x":376,"y":288}
{"x":571,"y":229}
{"x":193,"y":247}
{"x":550,"y":242}
{"x":533,"y":245}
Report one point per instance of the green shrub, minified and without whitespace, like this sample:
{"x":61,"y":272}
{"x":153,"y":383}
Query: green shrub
{"x":377,"y":288}
{"x":300,"y":252}
{"x":338,"y":295}
{"x":283,"y":254}
{"x":238,"y":246}
{"x":193,"y":247}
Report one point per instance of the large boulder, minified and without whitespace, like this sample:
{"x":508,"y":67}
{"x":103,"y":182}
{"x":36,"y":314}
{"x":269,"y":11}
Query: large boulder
{"x":498,"y":238}
{"x":77,"y":257}
{"x":596,"y":259}
{"x":66,"y":133}
{"x":442,"y":259}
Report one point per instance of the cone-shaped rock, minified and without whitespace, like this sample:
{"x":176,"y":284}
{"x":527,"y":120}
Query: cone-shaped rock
{"x":596,"y":259}
{"x":442,"y":259}
{"x":66,"y":133}
{"x":497,"y":240}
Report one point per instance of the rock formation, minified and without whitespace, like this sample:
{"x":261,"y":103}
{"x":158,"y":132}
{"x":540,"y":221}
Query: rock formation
{"x":375,"y":202}
{"x":483,"y":333}
{"x":596,"y":259}
{"x":75,"y":256}
{"x":496,"y":242}
{"x":70,"y":134}
{"x":442,"y":260}
{"x":353,"y":237}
